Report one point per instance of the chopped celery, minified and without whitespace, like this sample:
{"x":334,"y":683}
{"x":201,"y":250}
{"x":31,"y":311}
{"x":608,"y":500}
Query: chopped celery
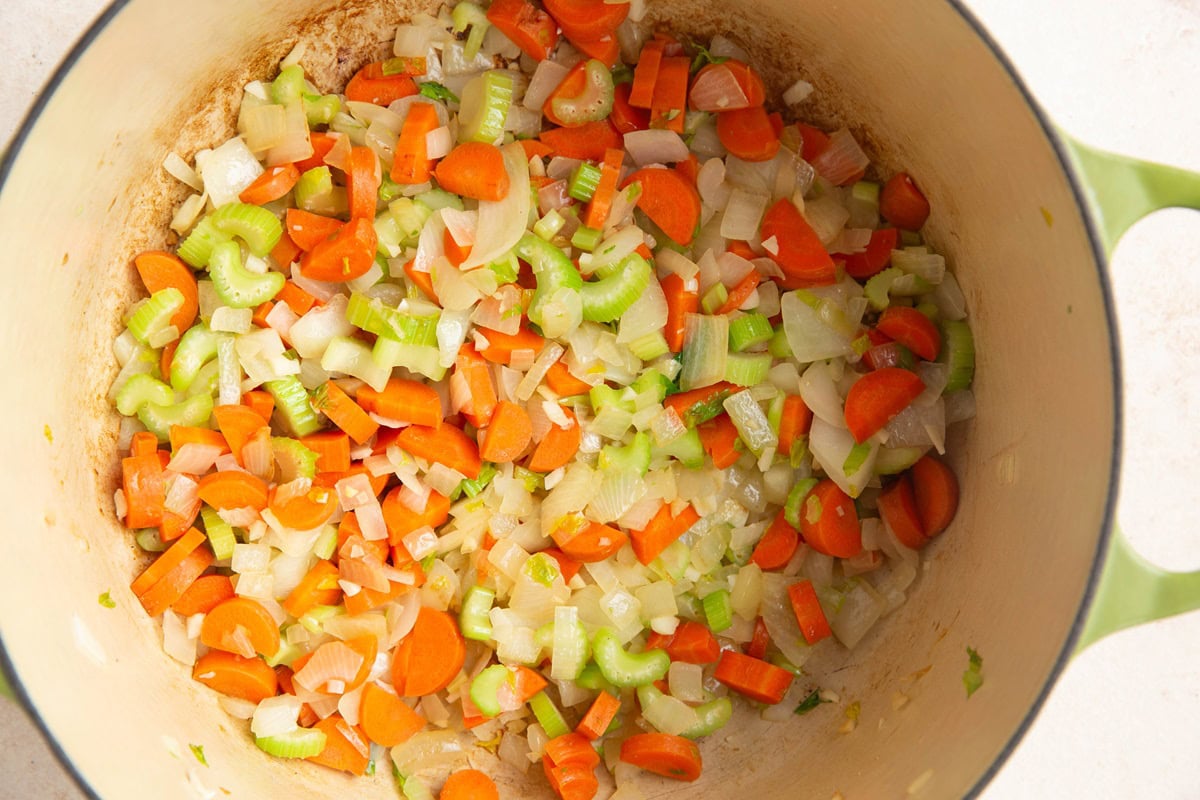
{"x":624,"y":669}
{"x":437,"y":199}
{"x":314,"y":191}
{"x":370,"y":314}
{"x":586,"y":238}
{"x":320,"y":109}
{"x":713,"y":716}
{"x":469,"y":15}
{"x":197,"y":248}
{"x":653,"y":382}
{"x":779,"y":346}
{"x":300,"y":743}
{"x":473,"y":619}
{"x":607,"y":299}
{"x":436,"y":91}
{"x":532,"y":480}
{"x":650,"y":346}
{"x":294,"y":459}
{"x":291,"y":401}
{"x":471,"y":487}
{"x":747,"y":369}
{"x":749,"y":330}
{"x":603,"y":396}
{"x":485,"y":689}
{"x":705,"y":340}
{"x":150,"y":540}
{"x":237,"y":286}
{"x":140,"y":390}
{"x":958,"y":352}
{"x":795,"y":500}
{"x":877,"y":287}
{"x":197,"y":347}
{"x":857,"y":456}
{"x":569,"y":646}
{"x":548,"y":226}
{"x":506,"y":269}
{"x":548,"y":715}
{"x":718,"y":610}
{"x":327,"y":543}
{"x":410,"y":216}
{"x":484,"y":108}
{"x":584,"y":181}
{"x":424,"y":359}
{"x":220,"y":533}
{"x":288,"y":86}
{"x":594,"y":101}
{"x":687,"y":450}
{"x":714,"y":298}
{"x":551,"y":269}
{"x":894,"y":460}
{"x":193,"y":412}
{"x":207,"y":380}
{"x":254,"y":225}
{"x":593,"y":679}
{"x":154,"y":314}
{"x":633,"y":457}
{"x":350,"y":356}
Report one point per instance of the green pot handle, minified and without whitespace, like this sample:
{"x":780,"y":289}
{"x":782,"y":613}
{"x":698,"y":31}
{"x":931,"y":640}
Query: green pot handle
{"x":1120,"y":191}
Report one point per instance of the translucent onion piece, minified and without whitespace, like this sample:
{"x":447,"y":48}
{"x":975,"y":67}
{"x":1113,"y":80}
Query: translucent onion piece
{"x":842,"y":160}
{"x":502,"y":222}
{"x":655,"y":146}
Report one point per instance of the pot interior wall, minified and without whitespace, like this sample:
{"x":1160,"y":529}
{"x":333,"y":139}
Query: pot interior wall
{"x":86,"y":193}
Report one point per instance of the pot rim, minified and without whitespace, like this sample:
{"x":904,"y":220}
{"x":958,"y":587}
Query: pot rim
{"x":1099,"y":257}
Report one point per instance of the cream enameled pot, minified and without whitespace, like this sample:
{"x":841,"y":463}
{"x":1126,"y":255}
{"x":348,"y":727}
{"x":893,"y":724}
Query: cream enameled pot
{"x":925,"y":89}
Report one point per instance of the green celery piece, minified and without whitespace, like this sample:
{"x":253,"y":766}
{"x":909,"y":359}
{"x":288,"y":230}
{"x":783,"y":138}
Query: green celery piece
{"x":506,"y":268}
{"x":197,"y":347}
{"x":551,"y":269}
{"x":484,"y":108}
{"x":749,"y":330}
{"x":288,"y":85}
{"x":291,"y":401}
{"x":320,"y":109}
{"x":713,"y":716}
{"x":350,"y":356}
{"x":410,"y":216}
{"x":370,"y":314}
{"x":687,"y":450}
{"x":747,"y":369}
{"x":207,"y":380}
{"x":584,"y":182}
{"x":595,"y":102}
{"x":710,"y":408}
{"x":714,"y":298}
{"x":605,"y":300}
{"x":154,"y":313}
{"x":469,"y":15}
{"x":624,"y":669}
{"x":602,"y":396}
{"x":471,"y":487}
{"x":197,"y":248}
{"x":879,"y":285}
{"x":294,"y":459}
{"x":193,"y":412}
{"x":485,"y":689}
{"x":424,"y":359}
{"x":958,"y":352}
{"x":254,"y":225}
{"x":856,"y":458}
{"x":473,"y":620}
{"x":300,"y":743}
{"x":718,"y":610}
{"x":795,"y":500}
{"x":548,"y":226}
{"x":437,"y":199}
{"x":592,"y":678}
{"x":548,"y":715}
{"x":586,"y":238}
{"x":436,"y":91}
{"x":650,"y":346}
{"x":314,"y":191}
{"x":779,"y":346}
{"x":894,"y":460}
{"x":150,"y":540}
{"x":219,"y":532}
{"x":140,"y":390}
{"x":653,"y":381}
{"x":237,"y":286}
{"x":633,"y":457}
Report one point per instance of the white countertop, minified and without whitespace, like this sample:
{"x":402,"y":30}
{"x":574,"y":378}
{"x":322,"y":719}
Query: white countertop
{"x":1121,"y":722}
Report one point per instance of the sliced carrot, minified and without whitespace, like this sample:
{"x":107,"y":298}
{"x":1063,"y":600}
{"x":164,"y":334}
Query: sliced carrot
{"x":363,"y":176}
{"x":501,"y":346}
{"x":813,"y":141}
{"x":238,"y":424}
{"x":261,"y":403}
{"x":662,"y":529}
{"x":346,"y":748}
{"x":563,"y":383}
{"x":404,"y":400}
{"x":145,"y":489}
{"x":168,"y":356}
{"x":680,"y":302}
{"x":305,"y":512}
{"x":175,"y":525}
{"x":284,"y":253}
{"x":898,"y":508}
{"x":143,"y":443}
{"x":469,"y":784}
{"x":402,"y":520}
{"x":346,"y":255}
{"x":797,"y":248}
{"x":624,"y":117}
{"x":809,"y":614}
{"x":430,"y":656}
{"x":319,"y":587}
{"x":587,"y":541}
{"x":663,"y":754}
{"x":330,"y":479}
{"x":298,"y":300}
{"x":669,"y":201}
{"x":752,"y":677}
{"x":794,"y":422}
{"x":877,"y":397}
{"x":571,"y":781}
{"x":159,"y":597}
{"x":332,"y":449}
{"x":587,"y":20}
{"x":571,"y":748}
{"x":308,"y":230}
{"x":598,"y":207}
{"x":877,"y":255}
{"x":748,"y":133}
{"x":697,"y":403}
{"x":184,"y":434}
{"x":412,"y":164}
{"x":158,"y":271}
{"x":271,"y":185}
{"x":645,"y":74}
{"x":535,"y":149}
{"x":230,"y":674}
{"x":385,"y":718}
{"x":475,"y":170}
{"x":558,"y":446}
{"x":691,"y":643}
{"x":588,"y":141}
{"x":446,"y":445}
{"x":912,"y":329}
{"x":829,"y":521}
{"x":421,"y":280}
{"x":508,"y":434}
{"x":233,"y":489}
{"x":370,"y":85}
{"x":689,"y":168}
{"x":759,"y":640}
{"x":668,"y":105}
{"x":171,"y":558}
{"x":599,"y":716}
{"x":935,"y":489}
{"x":526,"y":25}
{"x":720,"y":437}
{"x":456,"y":254}
{"x":777,"y":546}
{"x":472,"y":370}
{"x":606,"y":50}
{"x":239,"y":623}
{"x":902,"y":203}
{"x":740,"y":293}
{"x":322,"y":143}
{"x":370,"y":599}
{"x":343,"y":412}
{"x":203,"y":595}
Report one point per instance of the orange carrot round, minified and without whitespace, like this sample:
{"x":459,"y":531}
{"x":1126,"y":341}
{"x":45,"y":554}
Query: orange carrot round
{"x":748,"y":133}
{"x":228,"y":673}
{"x":829,"y":521}
{"x":271,"y":185}
{"x":404,"y":400}
{"x":447,"y":445}
{"x":777,"y":546}
{"x":159,"y":270}
{"x":307,"y":511}
{"x":902,"y":203}
{"x":346,"y":255}
{"x":809,"y":614}
{"x":669,"y":201}
{"x":877,"y":397}
{"x":159,"y":597}
{"x":363,"y":176}
{"x":308,"y":230}
{"x":508,"y":434}
{"x":752,"y":677}
{"x":474,"y":169}
{"x":385,"y":718}
{"x":238,"y":424}
{"x":346,"y":748}
{"x":935,"y":490}
{"x":586,"y":541}
{"x":898,"y":508}
{"x":239,"y":622}
{"x":370,"y":85}
{"x":203,"y":595}
{"x":469,"y":784}
{"x":912,"y":329}
{"x":233,"y":489}
{"x":663,"y":754}
{"x":430,"y":656}
{"x":526,"y":25}
{"x":587,"y":20}
{"x":796,"y":247}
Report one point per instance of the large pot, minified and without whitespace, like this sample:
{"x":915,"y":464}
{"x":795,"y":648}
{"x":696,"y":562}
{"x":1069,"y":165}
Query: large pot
{"x":83,"y":190}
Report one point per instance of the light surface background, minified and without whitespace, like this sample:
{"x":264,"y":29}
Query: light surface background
{"x":1122,"y":721}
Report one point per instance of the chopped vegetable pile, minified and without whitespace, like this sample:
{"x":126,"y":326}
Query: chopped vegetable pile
{"x":544,"y":384}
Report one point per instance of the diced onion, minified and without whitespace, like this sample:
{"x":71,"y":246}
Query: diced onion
{"x":655,"y":146}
